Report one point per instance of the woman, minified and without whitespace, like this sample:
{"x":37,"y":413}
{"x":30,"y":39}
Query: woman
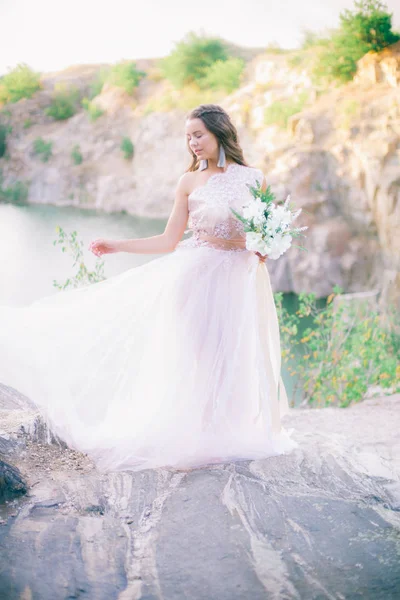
{"x":174,"y":363}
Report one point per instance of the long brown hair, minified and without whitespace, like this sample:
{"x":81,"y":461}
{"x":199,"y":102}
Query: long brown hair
{"x":217,"y":120}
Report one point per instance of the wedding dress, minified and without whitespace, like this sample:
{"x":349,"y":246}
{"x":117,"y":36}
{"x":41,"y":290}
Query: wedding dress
{"x":173,"y":363}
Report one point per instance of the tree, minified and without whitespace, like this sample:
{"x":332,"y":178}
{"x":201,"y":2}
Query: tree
{"x":367,"y":28}
{"x":191,"y":58}
{"x":223,"y":75}
{"x":20,"y":82}
{"x":125,"y":75}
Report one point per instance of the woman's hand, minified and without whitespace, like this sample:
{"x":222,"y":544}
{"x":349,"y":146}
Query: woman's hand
{"x":262,"y":257}
{"x":101,"y":246}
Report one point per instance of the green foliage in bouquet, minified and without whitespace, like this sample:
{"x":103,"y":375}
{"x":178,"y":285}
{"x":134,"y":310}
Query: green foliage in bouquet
{"x":70,"y":244}
{"x":266,"y":196}
{"x":268,"y":224}
{"x":338,"y":353}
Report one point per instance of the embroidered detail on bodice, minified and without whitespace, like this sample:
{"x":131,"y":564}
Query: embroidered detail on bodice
{"x":210,"y":204}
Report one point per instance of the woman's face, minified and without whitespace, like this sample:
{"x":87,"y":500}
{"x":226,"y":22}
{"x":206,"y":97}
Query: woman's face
{"x":201,"y":141}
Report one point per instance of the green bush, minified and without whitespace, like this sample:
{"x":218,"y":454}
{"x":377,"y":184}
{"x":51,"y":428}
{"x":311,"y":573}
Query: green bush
{"x":125,"y":75}
{"x":64,"y":103}
{"x":4,"y":131}
{"x":27,"y":123}
{"x":184,"y":99}
{"x":20,"y":82}
{"x":13,"y":194}
{"x":278,"y":112}
{"x":343,"y":350}
{"x":98,"y":81}
{"x":76,"y":155}
{"x":70,"y":243}
{"x":42,"y":148}
{"x":190,"y":60}
{"x":127,"y":147}
{"x":93,"y":111}
{"x":368,"y":27}
{"x":223,"y":75}
{"x":296,"y":60}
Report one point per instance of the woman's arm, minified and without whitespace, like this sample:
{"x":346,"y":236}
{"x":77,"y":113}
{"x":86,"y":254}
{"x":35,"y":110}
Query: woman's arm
{"x":155,"y":244}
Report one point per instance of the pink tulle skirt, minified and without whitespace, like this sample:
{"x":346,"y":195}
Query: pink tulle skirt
{"x":174,"y":363}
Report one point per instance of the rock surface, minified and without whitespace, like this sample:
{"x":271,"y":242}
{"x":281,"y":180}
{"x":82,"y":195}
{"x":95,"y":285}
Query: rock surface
{"x":11,"y":482}
{"x":321,"y":522}
{"x":378,"y":67}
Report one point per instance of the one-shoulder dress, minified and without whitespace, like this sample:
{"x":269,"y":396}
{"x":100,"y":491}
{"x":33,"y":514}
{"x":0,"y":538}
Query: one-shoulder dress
{"x":174,"y":363}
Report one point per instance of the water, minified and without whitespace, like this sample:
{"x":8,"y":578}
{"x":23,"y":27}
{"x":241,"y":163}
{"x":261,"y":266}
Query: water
{"x":29,"y":262}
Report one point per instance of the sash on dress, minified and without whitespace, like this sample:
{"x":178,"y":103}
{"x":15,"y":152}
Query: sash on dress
{"x":270,"y":341}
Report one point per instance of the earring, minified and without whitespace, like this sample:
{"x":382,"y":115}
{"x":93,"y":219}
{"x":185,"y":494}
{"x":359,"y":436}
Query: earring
{"x":222,"y":157}
{"x":203,"y":164}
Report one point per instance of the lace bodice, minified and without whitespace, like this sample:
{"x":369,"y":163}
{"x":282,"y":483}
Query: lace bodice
{"x":210,"y":204}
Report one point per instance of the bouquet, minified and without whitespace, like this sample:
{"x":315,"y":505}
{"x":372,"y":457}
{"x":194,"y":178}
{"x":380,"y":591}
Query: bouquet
{"x":268,"y":226}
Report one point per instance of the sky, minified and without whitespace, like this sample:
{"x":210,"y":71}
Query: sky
{"x":50,"y":35}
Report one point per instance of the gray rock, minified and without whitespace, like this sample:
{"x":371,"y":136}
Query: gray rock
{"x":11,"y":482}
{"x":321,"y":522}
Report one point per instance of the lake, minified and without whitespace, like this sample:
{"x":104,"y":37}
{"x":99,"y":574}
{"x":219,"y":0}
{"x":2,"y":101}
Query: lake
{"x":29,"y":262}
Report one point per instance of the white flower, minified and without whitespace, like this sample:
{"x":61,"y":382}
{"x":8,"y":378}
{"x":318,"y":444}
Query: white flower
{"x":255,"y":242}
{"x":280,"y":217}
{"x":296,"y":214}
{"x":254,"y":211}
{"x":271,"y":227}
{"x":279,"y":245}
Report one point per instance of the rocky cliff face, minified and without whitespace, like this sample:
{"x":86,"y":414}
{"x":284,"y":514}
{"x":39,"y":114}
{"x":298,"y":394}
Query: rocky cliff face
{"x":339,"y":157}
{"x":340,"y":160}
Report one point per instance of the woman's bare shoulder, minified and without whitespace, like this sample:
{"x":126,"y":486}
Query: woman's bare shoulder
{"x":187,"y":181}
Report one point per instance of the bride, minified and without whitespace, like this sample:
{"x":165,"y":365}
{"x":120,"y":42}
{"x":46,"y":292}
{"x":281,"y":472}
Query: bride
{"x":173,"y":363}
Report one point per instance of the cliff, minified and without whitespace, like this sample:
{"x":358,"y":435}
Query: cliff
{"x":338,"y":156}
